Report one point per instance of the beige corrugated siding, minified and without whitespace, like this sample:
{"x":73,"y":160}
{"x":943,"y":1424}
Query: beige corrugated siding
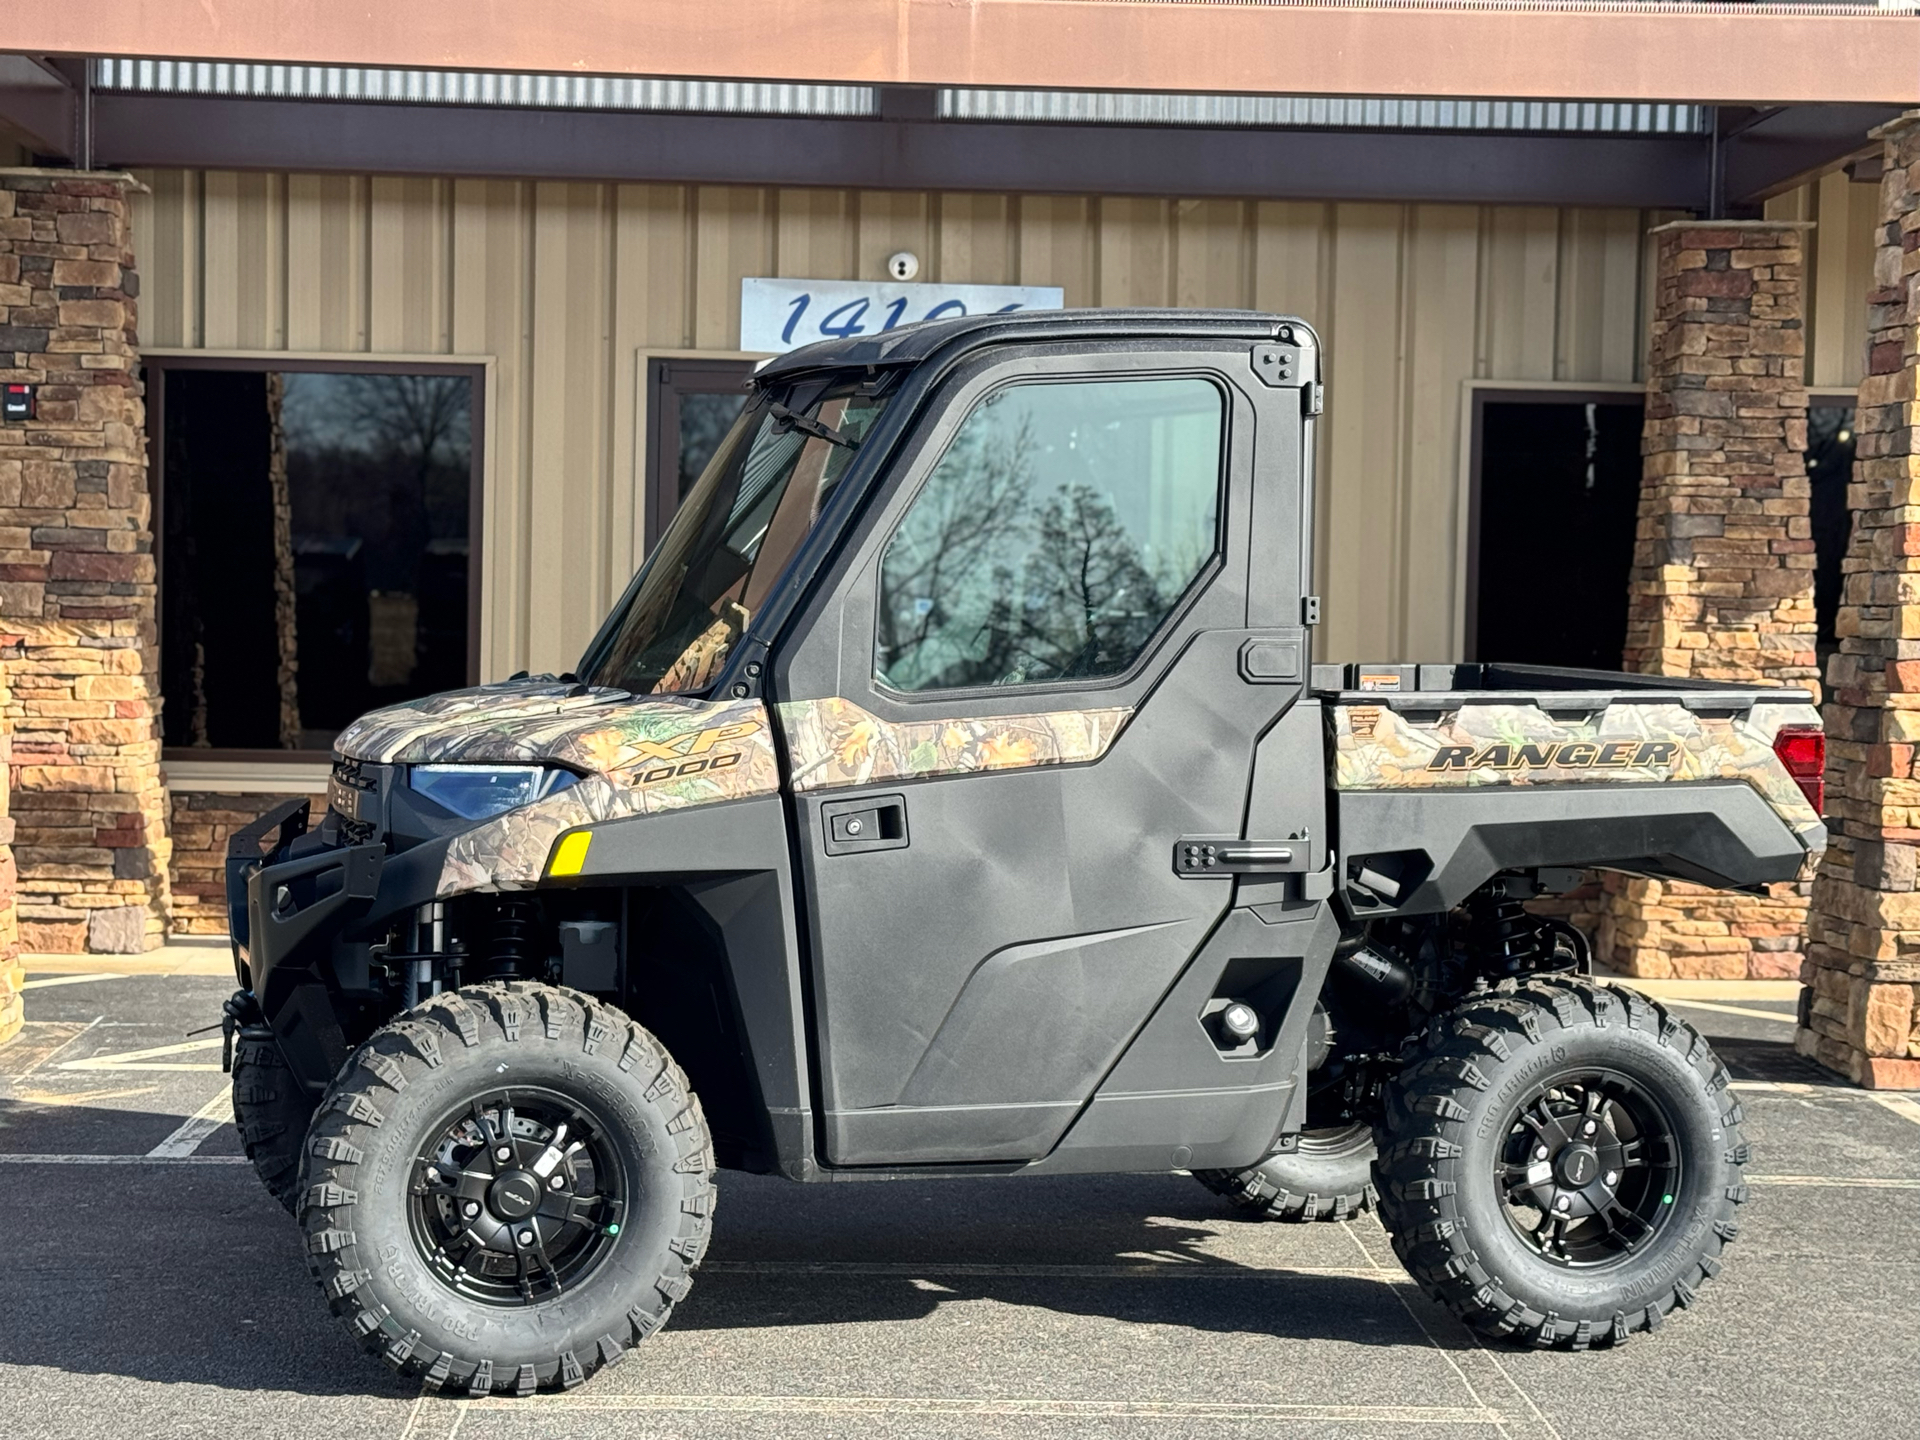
{"x":564,"y":287}
{"x":1839,"y":273}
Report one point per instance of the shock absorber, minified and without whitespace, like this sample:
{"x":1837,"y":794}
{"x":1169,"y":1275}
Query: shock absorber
{"x":426,"y":937}
{"x":1506,"y":939}
{"x":515,"y":932}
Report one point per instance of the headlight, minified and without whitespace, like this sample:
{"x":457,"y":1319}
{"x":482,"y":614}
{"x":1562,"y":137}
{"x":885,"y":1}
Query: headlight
{"x":475,"y":792}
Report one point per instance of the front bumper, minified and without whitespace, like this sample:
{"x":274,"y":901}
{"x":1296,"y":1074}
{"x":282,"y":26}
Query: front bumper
{"x":278,"y":901}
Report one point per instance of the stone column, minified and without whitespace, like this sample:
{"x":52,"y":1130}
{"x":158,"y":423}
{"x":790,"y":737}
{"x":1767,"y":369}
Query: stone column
{"x":1722,"y":584}
{"x":1863,"y":959}
{"x":10,"y":974}
{"x":77,"y":618}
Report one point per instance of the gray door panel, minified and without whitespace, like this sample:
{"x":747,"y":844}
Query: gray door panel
{"x":972,"y":987}
{"x":1029,"y":929}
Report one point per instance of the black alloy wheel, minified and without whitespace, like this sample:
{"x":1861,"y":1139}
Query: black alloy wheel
{"x":1590,"y":1169}
{"x":518,"y":1196}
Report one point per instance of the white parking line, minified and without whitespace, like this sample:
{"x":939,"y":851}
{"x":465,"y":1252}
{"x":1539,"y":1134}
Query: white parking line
{"x":1901,"y":1105}
{"x":148,"y":1059}
{"x":1168,"y":1271}
{"x":855,"y":1405}
{"x":122,"y":1159}
{"x":195,"y":1129}
{"x":41,"y":1062}
{"x":1845,"y":1182}
{"x":52,"y":980}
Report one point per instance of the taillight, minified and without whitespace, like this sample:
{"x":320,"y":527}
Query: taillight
{"x":1803,"y":750}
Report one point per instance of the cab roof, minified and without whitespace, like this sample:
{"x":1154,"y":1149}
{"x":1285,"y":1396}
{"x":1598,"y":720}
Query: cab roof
{"x":911,"y":344}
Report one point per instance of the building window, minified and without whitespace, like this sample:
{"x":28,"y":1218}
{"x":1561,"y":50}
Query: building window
{"x":691,"y":404}
{"x":1054,"y":537}
{"x":315,"y":525}
{"x":1556,"y":504}
{"x":1829,"y":469}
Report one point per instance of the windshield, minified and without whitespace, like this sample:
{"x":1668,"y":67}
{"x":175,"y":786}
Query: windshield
{"x":747,"y":513}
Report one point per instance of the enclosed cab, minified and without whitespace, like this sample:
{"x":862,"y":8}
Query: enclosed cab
{"x":953,"y":792}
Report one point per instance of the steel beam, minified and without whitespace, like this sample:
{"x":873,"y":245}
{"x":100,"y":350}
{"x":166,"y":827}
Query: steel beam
{"x":1777,"y":151}
{"x":39,"y":106}
{"x":1592,"y":49}
{"x":228,"y":134}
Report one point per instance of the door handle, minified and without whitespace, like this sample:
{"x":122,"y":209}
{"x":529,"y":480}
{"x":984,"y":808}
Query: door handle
{"x":874,"y":822}
{"x":1202,"y":855}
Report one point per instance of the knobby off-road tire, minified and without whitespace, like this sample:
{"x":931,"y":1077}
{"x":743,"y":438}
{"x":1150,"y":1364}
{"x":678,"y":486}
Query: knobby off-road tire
{"x":271,"y":1110}
{"x":1329,"y":1177}
{"x":475,"y":1084}
{"x":1475,"y":1108}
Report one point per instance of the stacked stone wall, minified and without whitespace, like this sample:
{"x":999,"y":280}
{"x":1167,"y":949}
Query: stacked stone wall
{"x":1722,"y":584}
{"x":11,"y":1014}
{"x":77,"y":624}
{"x":1863,"y":956}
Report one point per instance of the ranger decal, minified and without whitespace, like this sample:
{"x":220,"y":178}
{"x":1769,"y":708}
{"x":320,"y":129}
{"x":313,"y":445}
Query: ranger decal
{"x":1376,"y":748}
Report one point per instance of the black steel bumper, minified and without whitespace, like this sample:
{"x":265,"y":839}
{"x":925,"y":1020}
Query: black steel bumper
{"x":275,"y":905}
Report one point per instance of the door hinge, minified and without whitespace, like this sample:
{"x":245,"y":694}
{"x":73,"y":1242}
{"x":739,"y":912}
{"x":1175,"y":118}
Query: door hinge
{"x":1316,"y":398}
{"x":1310,"y":610}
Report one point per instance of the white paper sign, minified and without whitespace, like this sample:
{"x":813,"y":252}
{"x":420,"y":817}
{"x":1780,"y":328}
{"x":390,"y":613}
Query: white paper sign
{"x":782,"y":315}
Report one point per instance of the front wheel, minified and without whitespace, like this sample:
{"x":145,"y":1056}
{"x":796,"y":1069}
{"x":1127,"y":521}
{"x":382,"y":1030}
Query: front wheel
{"x":507,"y":1188}
{"x":1561,"y":1163}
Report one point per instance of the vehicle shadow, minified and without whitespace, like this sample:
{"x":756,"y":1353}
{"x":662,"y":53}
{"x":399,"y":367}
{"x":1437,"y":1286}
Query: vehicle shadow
{"x":1749,"y":1058}
{"x":191,"y":1274}
{"x":1144,"y":1249}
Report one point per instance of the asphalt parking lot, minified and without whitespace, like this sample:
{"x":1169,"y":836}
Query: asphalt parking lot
{"x":148,"y":1286}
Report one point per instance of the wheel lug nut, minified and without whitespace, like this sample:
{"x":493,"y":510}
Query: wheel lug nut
{"x":1612,"y":1177}
{"x":1540,"y":1152}
{"x":1590,"y":1127}
{"x":505,"y":1152}
{"x":1562,"y":1203}
{"x":472,"y":1208}
{"x":526,"y":1237}
{"x":556,"y":1182}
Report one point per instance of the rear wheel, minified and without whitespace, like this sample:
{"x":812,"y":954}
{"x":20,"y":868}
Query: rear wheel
{"x":1561,"y":1163}
{"x":507,"y":1188}
{"x":1327,"y":1176}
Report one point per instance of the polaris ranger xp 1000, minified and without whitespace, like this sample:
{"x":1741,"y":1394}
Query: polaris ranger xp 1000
{"x":953,"y":793}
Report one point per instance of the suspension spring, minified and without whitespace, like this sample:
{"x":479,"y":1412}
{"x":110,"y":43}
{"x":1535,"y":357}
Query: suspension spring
{"x":515,"y":931}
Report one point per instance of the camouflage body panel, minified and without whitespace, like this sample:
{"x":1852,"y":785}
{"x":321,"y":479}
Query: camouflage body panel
{"x":834,"y":742}
{"x":1628,"y":743}
{"x":636,"y":757}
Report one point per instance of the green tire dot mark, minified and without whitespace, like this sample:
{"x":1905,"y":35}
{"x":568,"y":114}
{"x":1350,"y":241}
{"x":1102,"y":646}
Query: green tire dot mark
{"x":615,"y":1229}
{"x":1666,"y":1199}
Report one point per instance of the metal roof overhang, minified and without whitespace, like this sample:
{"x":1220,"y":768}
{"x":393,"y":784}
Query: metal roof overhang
{"x":1676,"y":172}
{"x":1629,"y":49}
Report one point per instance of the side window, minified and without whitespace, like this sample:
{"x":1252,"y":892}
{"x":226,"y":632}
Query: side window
{"x":1054,"y":536}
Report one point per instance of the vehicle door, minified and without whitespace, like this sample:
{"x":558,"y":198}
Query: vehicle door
{"x":1018,"y":689}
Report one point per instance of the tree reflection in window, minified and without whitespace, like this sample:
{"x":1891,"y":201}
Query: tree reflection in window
{"x":1054,"y":536}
